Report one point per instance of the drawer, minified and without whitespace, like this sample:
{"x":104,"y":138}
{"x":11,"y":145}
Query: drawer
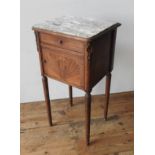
{"x":62,"y":42}
{"x":63,"y":65}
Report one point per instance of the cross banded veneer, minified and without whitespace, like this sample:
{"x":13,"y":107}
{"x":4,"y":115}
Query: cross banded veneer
{"x":78,"y":52}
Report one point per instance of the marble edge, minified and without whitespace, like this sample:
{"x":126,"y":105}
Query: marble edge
{"x":115,"y":25}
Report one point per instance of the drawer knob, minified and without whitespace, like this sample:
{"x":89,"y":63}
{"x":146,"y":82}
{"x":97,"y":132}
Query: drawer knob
{"x":44,"y":61}
{"x":60,"y":41}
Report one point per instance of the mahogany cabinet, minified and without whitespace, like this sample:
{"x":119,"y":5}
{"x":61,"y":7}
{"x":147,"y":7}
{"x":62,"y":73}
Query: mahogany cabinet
{"x":78,"y":52}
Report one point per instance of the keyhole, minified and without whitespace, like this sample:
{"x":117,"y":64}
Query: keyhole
{"x":60,"y":41}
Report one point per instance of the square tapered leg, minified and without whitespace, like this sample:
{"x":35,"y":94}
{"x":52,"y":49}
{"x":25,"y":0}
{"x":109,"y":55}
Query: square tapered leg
{"x":107,"y":94}
{"x":70,"y":95}
{"x":88,"y":116}
{"x":47,"y":99}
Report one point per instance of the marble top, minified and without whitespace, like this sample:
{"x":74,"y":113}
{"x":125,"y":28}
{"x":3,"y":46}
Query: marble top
{"x":76,"y":26}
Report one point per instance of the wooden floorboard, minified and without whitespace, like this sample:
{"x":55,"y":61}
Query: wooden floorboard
{"x":67,"y":136}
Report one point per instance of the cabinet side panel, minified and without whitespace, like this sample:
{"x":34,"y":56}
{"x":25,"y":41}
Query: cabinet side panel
{"x":100,"y":58}
{"x":112,"y":50}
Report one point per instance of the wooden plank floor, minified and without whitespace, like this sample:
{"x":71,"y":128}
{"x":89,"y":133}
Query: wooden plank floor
{"x":67,"y":136}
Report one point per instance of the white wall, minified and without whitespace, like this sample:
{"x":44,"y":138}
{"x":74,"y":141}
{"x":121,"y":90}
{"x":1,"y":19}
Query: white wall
{"x":34,"y":11}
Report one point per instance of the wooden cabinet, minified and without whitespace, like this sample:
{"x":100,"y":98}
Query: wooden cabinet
{"x":76,"y":56}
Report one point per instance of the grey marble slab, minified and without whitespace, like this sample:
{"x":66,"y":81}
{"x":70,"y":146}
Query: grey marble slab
{"x":76,"y":26}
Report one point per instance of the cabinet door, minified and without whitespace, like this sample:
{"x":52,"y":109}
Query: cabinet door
{"x":63,"y":65}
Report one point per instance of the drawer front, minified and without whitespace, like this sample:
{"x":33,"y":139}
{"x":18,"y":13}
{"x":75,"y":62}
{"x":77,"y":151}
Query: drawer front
{"x":63,"y":65}
{"x":62,"y":42}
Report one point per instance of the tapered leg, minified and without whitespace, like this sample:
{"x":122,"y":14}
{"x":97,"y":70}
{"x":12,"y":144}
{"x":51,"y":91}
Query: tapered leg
{"x":107,"y":93}
{"x":70,"y":95}
{"x":47,"y":99}
{"x":88,"y":116}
